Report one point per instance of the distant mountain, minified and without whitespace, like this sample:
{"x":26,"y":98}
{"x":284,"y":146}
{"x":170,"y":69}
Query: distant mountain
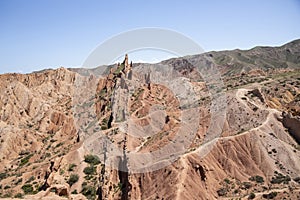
{"x":237,"y":61}
{"x":229,"y":62}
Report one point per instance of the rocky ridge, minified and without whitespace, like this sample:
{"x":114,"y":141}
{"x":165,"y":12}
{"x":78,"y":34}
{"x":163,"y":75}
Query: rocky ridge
{"x":48,"y":126}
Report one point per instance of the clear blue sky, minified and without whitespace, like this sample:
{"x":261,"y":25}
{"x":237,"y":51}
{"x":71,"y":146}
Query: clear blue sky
{"x":38,"y":34}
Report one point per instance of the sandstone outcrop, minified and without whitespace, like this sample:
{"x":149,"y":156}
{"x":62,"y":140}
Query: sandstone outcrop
{"x":51,"y":130}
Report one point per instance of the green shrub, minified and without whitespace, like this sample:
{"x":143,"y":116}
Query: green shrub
{"x":47,"y":155}
{"x":71,"y":167}
{"x":104,"y":124}
{"x":19,"y":181}
{"x":89,"y":170}
{"x":89,"y":192}
{"x":27,"y":188}
{"x":25,"y":160}
{"x":103,"y":92}
{"x":226,"y":180}
{"x":257,"y":179}
{"x":119,"y":69}
{"x":297,"y":179}
{"x":247,"y":185}
{"x":59,"y":144}
{"x":222,"y":192}
{"x":7,"y":195}
{"x":251,"y":195}
{"x":92,"y":159}
{"x":88,"y":177}
{"x":279,"y":178}
{"x":19,"y":196}
{"x":73,"y":179}
{"x":53,"y":140}
{"x":61,"y":171}
{"x":7,"y":187}
{"x":2,"y":176}
{"x":120,"y":186}
{"x":84,"y":184}
{"x":271,"y":195}
{"x":74,"y":192}
{"x":32,"y":178}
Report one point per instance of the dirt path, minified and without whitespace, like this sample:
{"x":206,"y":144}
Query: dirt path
{"x":138,"y":148}
{"x":183,"y":176}
{"x":240,"y":93}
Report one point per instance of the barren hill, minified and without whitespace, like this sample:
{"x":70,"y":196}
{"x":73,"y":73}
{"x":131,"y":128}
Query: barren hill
{"x":171,"y":130}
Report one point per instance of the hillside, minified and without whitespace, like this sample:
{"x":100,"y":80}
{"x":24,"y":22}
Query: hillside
{"x":169,"y":130}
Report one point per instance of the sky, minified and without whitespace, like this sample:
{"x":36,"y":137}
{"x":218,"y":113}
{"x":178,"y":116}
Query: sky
{"x":37,"y":34}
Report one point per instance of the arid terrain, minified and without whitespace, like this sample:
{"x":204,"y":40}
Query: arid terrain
{"x":53,"y":124}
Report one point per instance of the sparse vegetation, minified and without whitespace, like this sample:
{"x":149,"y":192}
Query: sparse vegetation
{"x":222,"y":192}
{"x":297,"y":179}
{"x":7,"y":187}
{"x":73,"y":179}
{"x":7,"y":195}
{"x":251,"y":195}
{"x":104,"y":124}
{"x":71,"y":167}
{"x":59,"y":144}
{"x":257,"y":179}
{"x":19,"y":195}
{"x":92,"y":159}
{"x":226,"y":180}
{"x":103,"y":92}
{"x":48,"y":155}
{"x":32,"y":178}
{"x":89,"y":170}
{"x":89,"y":192}
{"x":271,"y":195}
{"x":247,"y":185}
{"x":74,"y":192}
{"x":61,"y":171}
{"x":25,"y":160}
{"x":3,"y":176}
{"x":279,"y":178}
{"x":119,"y":69}
{"x":27,"y":189}
{"x":263,"y":125}
{"x":19,"y":181}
